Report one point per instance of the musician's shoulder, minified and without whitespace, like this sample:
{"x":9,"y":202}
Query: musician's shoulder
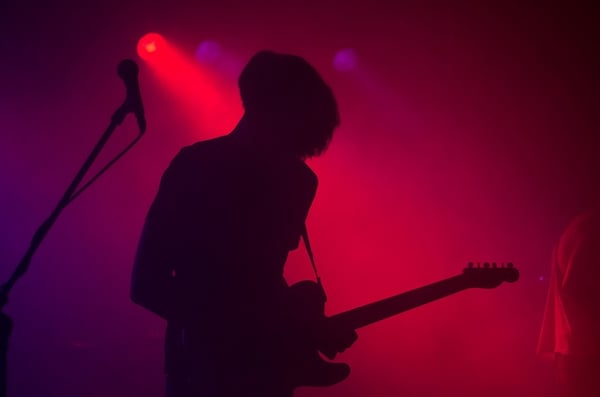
{"x":204,"y":146}
{"x":201,"y":150}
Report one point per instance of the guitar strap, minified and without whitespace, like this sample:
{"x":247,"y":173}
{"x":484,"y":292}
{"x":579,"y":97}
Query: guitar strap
{"x":312,"y":259}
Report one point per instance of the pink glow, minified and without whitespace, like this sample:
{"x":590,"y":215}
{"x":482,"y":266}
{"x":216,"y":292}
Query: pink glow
{"x":466,"y":134}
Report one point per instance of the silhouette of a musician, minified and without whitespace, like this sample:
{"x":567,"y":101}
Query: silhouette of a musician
{"x":570,"y":332}
{"x":216,"y":238}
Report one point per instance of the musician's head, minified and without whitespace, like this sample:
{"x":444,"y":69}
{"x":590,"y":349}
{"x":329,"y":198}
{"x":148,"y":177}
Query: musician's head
{"x":287,"y":95}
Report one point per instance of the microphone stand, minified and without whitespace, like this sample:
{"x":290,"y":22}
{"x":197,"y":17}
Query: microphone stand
{"x":6,"y":323}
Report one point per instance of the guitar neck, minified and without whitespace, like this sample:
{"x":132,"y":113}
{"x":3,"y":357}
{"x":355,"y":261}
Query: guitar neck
{"x":380,"y":310}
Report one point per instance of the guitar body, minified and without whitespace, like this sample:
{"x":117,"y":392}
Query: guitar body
{"x":311,"y":333}
{"x":305,"y":366}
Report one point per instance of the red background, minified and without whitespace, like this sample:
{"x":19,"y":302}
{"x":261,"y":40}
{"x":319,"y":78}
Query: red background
{"x":468,"y":133}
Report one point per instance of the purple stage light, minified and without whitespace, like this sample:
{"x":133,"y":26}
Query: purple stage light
{"x":208,"y":51}
{"x":345,"y":60}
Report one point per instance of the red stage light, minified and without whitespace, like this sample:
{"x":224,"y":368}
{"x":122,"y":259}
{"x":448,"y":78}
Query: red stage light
{"x":150,"y":47}
{"x":149,"y":44}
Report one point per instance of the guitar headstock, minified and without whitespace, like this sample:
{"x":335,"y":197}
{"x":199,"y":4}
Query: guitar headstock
{"x":490,"y":274}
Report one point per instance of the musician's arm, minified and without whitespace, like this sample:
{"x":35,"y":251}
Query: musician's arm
{"x":333,"y":336}
{"x":152,"y":282}
{"x":580,"y":279}
{"x":303,"y":200}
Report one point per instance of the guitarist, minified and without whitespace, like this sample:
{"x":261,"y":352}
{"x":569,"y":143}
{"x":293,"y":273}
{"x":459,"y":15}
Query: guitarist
{"x":228,"y":210}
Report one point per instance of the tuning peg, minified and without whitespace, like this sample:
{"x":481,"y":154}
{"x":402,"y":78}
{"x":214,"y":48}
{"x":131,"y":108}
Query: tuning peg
{"x":470,"y":265}
{"x":494,"y":265}
{"x":486,"y":265}
{"x":510,"y":265}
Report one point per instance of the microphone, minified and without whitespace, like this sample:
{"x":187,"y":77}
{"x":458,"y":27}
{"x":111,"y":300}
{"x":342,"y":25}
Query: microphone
{"x":128,"y":72}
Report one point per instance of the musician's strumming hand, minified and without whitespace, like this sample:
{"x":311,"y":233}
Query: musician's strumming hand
{"x":336,"y":338}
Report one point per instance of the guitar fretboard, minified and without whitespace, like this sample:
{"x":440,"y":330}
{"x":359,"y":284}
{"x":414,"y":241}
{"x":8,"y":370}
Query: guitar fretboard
{"x":380,"y":310}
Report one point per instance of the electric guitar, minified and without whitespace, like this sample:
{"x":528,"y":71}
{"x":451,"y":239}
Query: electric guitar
{"x":306,"y":367}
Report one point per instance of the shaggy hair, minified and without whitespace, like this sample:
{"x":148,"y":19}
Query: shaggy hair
{"x":288,"y":92}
